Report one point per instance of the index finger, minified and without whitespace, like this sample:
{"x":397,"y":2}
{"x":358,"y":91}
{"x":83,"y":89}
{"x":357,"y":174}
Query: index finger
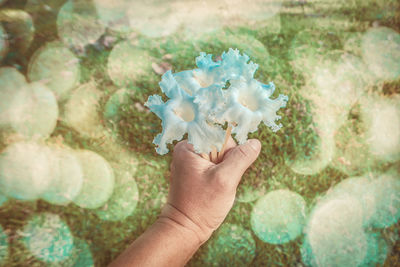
{"x":184,"y":149}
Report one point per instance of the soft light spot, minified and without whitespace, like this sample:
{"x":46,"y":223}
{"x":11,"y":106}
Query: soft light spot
{"x":335,"y":233}
{"x":124,"y":199}
{"x":127,"y":63}
{"x":48,"y":238}
{"x":98,"y":180}
{"x":381,"y":52}
{"x":81,"y":110}
{"x":278,"y":217}
{"x":49,"y":63}
{"x":24,"y":170}
{"x":67,"y":177}
{"x":231,"y":245}
{"x":77,"y":24}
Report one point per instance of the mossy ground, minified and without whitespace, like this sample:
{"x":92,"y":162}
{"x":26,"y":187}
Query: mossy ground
{"x":135,"y":128}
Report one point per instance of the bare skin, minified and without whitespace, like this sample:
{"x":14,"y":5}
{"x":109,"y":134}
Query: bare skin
{"x":201,"y":195}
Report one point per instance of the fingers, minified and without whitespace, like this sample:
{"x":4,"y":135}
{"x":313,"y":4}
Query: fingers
{"x":183,"y":148}
{"x":184,"y":151}
{"x":237,"y":160}
{"x":184,"y":145}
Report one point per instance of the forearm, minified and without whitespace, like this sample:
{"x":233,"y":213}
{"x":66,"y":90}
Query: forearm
{"x":165,"y":243}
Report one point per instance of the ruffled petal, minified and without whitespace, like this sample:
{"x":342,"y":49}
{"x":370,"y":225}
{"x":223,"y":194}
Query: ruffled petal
{"x":209,"y":72}
{"x":205,"y":62}
{"x":173,"y":126}
{"x":170,"y":87}
{"x":269,"y":112}
{"x":232,"y":66}
{"x":155,"y":104}
{"x":236,"y":66}
{"x":187,"y":81}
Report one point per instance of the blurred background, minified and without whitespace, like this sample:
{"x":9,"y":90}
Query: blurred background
{"x":79,"y":175}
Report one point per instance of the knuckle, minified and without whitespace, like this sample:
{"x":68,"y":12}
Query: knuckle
{"x":221,"y":182}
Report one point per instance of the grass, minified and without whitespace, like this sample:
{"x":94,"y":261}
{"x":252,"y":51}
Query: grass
{"x":129,"y":139}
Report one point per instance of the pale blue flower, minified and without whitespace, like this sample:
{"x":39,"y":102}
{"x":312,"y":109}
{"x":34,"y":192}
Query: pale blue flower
{"x":199,"y":103}
{"x":181,"y":115}
{"x":248,"y":103}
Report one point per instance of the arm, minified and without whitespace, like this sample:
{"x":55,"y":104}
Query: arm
{"x":201,"y":195}
{"x":165,"y":243}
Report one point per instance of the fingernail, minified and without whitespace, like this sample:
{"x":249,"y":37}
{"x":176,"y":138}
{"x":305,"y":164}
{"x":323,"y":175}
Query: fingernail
{"x":255,"y":144}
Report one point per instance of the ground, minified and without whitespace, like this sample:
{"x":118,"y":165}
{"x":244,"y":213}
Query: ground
{"x":134,"y":128}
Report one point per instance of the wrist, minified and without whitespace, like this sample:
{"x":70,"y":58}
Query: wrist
{"x":177,"y":219}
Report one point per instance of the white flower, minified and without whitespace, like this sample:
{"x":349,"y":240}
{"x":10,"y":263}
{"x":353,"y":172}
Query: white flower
{"x":181,"y":115}
{"x":233,"y":66}
{"x":248,"y":103}
{"x":198,"y":102}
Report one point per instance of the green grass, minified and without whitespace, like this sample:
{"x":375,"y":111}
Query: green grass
{"x":128,"y":144}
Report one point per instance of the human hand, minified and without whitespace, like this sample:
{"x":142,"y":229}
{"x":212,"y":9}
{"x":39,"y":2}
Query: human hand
{"x":201,"y":192}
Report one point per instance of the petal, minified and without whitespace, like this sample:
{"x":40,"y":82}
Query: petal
{"x":170,"y":87}
{"x":236,"y":66}
{"x":205,"y":136}
{"x":173,"y":126}
{"x":187,"y":81}
{"x":204,"y":61}
{"x":155,"y":104}
{"x":269,"y":112}
{"x":173,"y":129}
{"x":211,"y":100}
{"x":248,"y":103}
{"x":209,"y":72}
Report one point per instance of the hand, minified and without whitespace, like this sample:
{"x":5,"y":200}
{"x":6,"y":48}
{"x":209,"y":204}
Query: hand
{"x":201,"y":192}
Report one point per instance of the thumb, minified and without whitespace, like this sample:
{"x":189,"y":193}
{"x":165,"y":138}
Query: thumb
{"x":239,"y":158}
